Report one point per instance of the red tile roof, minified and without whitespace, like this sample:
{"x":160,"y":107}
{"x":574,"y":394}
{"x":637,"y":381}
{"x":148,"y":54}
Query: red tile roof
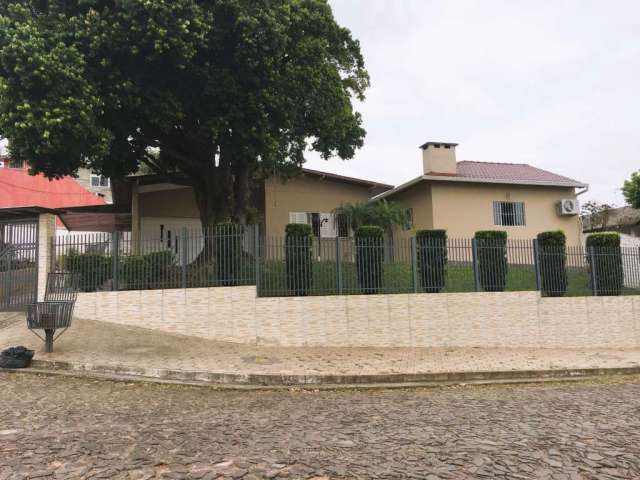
{"x":19,"y":189}
{"x":508,"y":172}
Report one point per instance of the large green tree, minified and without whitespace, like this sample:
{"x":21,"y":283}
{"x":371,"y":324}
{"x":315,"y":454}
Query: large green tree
{"x":631,"y":190}
{"x":222,"y":91}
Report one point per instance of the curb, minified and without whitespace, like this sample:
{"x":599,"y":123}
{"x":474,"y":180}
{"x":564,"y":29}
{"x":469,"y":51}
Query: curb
{"x":265,"y":381}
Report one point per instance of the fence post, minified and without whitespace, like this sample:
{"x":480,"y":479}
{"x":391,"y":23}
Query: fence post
{"x":476,"y":272}
{"x":592,"y":263}
{"x":115,"y":252}
{"x":183,"y":256}
{"x":536,"y":263}
{"x":339,"y":265}
{"x":256,"y":256}
{"x":52,"y":265}
{"x":414,"y":265}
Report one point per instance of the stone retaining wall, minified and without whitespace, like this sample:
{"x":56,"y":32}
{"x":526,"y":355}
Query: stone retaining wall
{"x":510,"y":319}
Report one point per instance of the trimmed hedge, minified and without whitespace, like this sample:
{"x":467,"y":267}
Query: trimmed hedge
{"x":228,"y":248}
{"x":94,"y":269}
{"x":298,"y":258}
{"x":605,"y":262}
{"x":552,"y":263}
{"x":151,"y":270}
{"x":492,"y":259}
{"x":431,"y":248}
{"x":370,"y":258}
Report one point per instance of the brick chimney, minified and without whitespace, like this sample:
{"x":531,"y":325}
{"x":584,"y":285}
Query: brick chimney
{"x":439,"y":157}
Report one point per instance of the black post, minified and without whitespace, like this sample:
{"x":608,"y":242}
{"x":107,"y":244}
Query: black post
{"x":115,"y":250}
{"x":476,"y":272}
{"x":183,"y":255}
{"x":48,"y":342}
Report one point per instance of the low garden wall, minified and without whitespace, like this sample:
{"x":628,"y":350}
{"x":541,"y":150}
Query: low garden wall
{"x":505,"y":319}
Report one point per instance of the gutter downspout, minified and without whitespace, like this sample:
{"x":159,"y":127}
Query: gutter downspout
{"x":581,"y":234}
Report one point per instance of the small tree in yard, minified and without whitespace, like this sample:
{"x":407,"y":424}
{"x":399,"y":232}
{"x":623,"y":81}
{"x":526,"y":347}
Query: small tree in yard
{"x":370,"y":258}
{"x":382,"y":213}
{"x":552,"y":263}
{"x":605,"y":263}
{"x":432,"y":259}
{"x":223,"y":92}
{"x":631,"y":190}
{"x":298,"y":258}
{"x":492,"y":259}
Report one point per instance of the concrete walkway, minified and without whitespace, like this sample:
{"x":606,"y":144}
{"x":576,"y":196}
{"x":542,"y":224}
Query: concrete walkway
{"x":88,"y":344}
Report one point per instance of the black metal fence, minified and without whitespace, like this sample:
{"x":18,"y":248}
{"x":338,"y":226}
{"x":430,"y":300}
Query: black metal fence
{"x":18,"y":263}
{"x":231,"y":255}
{"x":220,"y":256}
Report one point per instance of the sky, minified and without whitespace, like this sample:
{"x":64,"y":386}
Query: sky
{"x":550,"y":83}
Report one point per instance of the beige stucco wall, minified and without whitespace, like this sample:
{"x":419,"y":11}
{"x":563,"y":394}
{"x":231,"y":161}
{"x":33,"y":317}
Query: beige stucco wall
{"x":46,"y":231}
{"x":464,"y":208}
{"x":418,"y":198}
{"x":307,"y":194}
{"x":508,"y":320}
{"x":177,"y":203}
{"x":302,"y":194}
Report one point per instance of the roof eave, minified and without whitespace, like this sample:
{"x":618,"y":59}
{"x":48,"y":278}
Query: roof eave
{"x":442,"y":178}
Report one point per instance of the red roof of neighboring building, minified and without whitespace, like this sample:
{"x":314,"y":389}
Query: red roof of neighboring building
{"x":516,"y":172}
{"x":19,"y":189}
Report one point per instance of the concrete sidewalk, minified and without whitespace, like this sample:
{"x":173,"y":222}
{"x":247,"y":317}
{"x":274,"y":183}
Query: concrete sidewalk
{"x":98,"y":346}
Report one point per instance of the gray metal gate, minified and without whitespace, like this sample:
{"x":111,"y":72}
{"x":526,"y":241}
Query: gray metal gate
{"x":18,"y":263}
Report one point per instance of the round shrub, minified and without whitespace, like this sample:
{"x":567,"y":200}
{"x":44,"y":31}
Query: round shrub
{"x":552,"y":263}
{"x":370,"y":258}
{"x":94,"y":269}
{"x":605,"y":263}
{"x":152,"y":270}
{"x":491,"y":259}
{"x":431,"y":246}
{"x":298,"y":258}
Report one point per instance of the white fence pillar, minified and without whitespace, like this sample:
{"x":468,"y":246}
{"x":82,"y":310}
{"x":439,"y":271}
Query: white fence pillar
{"x":46,"y":231}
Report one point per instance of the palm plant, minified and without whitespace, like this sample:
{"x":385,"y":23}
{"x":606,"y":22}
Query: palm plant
{"x":382,"y":213}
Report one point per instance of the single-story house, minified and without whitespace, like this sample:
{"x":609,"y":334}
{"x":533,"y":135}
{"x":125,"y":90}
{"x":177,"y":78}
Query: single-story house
{"x":461,"y":197}
{"x":161,"y":206}
{"x":466,"y":196}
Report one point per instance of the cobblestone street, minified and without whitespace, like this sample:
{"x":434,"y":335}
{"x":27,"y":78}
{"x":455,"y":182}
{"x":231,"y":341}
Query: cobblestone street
{"x":57,"y":427}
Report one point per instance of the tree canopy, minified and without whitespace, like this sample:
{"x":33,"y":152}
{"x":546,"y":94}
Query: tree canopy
{"x":631,"y":190}
{"x":221,"y":91}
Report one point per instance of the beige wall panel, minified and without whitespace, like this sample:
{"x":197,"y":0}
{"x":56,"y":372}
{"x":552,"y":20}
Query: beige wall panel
{"x":179,"y":203}
{"x":508,"y":320}
{"x":268,"y":328}
{"x":358,"y":320}
{"x":380,"y":323}
{"x":221,"y":318}
{"x":336,"y":321}
{"x":464,"y":208}
{"x":307,"y":194}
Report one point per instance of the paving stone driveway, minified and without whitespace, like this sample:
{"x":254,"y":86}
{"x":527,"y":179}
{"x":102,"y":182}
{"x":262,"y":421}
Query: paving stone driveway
{"x":75,"y":428}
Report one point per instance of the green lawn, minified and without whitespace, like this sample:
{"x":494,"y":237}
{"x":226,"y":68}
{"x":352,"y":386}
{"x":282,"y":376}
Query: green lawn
{"x":398,"y":279}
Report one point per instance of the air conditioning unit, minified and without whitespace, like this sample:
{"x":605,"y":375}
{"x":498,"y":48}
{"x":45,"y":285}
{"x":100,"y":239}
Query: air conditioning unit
{"x":568,"y":206}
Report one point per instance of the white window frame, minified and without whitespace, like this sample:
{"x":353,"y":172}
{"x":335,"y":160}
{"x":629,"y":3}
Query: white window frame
{"x":519,"y":216}
{"x":328,"y":222}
